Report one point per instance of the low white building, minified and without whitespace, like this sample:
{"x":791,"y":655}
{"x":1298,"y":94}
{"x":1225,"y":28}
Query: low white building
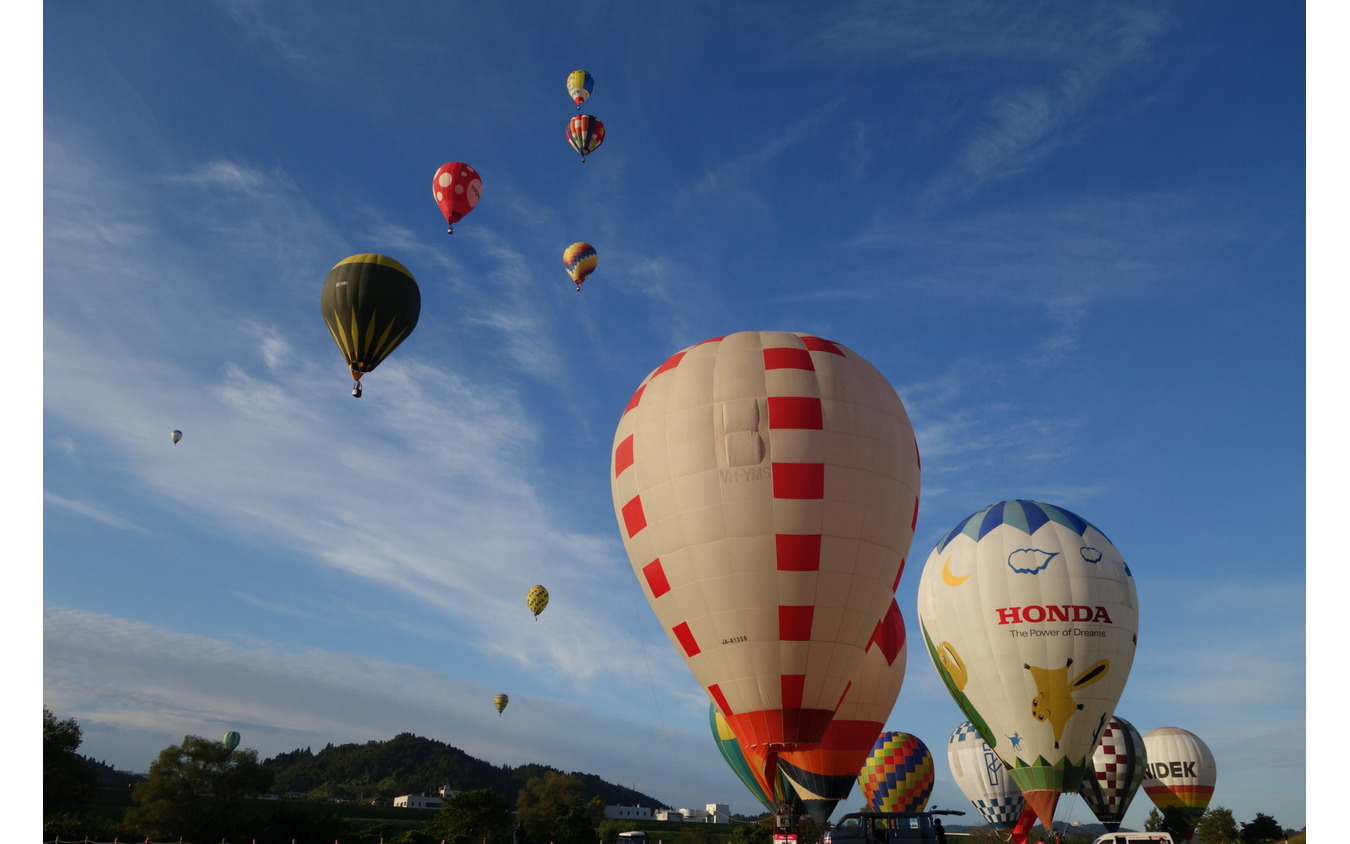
{"x":710,"y":813}
{"x":417,"y":801}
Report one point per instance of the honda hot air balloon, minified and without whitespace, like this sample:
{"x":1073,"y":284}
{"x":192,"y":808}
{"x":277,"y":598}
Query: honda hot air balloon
{"x":825,"y":774}
{"x":1180,"y":773}
{"x":580,"y":260}
{"x":457,"y":187}
{"x":585,"y":133}
{"x":579,"y":86}
{"x":983,"y":778}
{"x":766,"y":485}
{"x":370,"y":304}
{"x":536,"y":599}
{"x":897,"y":776}
{"x":230,"y":740}
{"x":754,"y":767}
{"x":1030,"y":617}
{"x":500,"y":702}
{"x":1115,"y":774}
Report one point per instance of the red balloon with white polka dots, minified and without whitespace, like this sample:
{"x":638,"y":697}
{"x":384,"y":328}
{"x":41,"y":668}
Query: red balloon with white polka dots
{"x":766,"y":486}
{"x":457,"y":188}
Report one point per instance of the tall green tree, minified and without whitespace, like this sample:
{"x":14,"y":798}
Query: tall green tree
{"x":554,"y":811}
{"x":1217,"y":826}
{"x":197,"y":789}
{"x":1262,"y":830}
{"x":1171,"y":820}
{"x":67,"y":781}
{"x":473,"y":817}
{"x":752,"y":833}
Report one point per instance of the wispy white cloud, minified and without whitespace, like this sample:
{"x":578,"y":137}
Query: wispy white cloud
{"x":123,"y":678}
{"x":89,"y":511}
{"x":423,"y":488}
{"x":1022,"y":125}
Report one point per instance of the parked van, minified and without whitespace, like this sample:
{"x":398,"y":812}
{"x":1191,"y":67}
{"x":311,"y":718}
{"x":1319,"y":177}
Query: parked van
{"x":1131,"y":837}
{"x":888,"y":828}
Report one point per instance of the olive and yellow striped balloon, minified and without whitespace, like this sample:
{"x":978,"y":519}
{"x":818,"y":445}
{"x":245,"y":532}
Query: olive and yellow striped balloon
{"x":500,"y":702}
{"x":370,"y":304}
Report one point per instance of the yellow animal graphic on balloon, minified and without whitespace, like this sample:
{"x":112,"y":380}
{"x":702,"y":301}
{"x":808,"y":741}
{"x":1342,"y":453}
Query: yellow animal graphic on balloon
{"x":952,"y":664}
{"x":1054,"y":692}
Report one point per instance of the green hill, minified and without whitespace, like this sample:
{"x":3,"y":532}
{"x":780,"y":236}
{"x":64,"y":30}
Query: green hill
{"x":409,"y":764}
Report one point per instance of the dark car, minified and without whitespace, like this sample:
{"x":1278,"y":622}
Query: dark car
{"x":887,"y":828}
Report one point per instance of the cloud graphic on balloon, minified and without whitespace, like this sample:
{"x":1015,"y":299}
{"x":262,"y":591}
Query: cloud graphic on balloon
{"x":1030,"y":560}
{"x":1090,"y":554}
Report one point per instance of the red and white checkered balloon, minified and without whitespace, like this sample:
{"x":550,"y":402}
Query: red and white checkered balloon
{"x":766,"y":486}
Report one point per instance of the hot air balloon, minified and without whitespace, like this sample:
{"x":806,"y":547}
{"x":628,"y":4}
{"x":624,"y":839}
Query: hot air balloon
{"x":983,"y":778}
{"x":756,"y":768}
{"x":536,"y":599}
{"x":500,"y":702}
{"x":580,"y":260}
{"x":176,"y":436}
{"x":230,"y":740}
{"x":371,"y":304}
{"x":825,"y":774}
{"x":897,"y":776}
{"x":457,"y":188}
{"x":1180,"y":773}
{"x":579,"y":86}
{"x":585,"y":133}
{"x":1115,"y":773}
{"x":1030,"y":616}
{"x":766,"y":485}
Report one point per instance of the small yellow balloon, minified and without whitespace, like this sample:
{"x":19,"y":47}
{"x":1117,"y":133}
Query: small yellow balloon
{"x":500,"y":701}
{"x":536,"y":599}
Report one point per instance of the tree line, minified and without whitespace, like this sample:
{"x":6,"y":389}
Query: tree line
{"x":200,"y":790}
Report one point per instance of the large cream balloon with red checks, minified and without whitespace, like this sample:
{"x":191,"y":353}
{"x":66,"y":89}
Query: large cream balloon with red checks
{"x":766,"y":485}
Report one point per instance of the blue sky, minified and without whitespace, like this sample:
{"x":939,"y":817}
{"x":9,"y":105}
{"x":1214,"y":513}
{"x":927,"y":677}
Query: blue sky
{"x":1072,"y":235}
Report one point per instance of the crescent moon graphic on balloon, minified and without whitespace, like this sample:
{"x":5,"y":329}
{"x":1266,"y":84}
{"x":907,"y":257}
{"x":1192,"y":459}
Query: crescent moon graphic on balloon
{"x":949,"y":578}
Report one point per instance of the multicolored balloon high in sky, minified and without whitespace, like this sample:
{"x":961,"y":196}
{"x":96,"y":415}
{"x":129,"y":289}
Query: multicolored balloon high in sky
{"x":585,"y":133}
{"x":580,"y":260}
{"x":579,"y":86}
{"x":370,"y":304}
{"x":1115,"y":774}
{"x":1030,"y":617}
{"x":1180,"y":773}
{"x":983,"y":778}
{"x":897,"y":776}
{"x":767,"y":463}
